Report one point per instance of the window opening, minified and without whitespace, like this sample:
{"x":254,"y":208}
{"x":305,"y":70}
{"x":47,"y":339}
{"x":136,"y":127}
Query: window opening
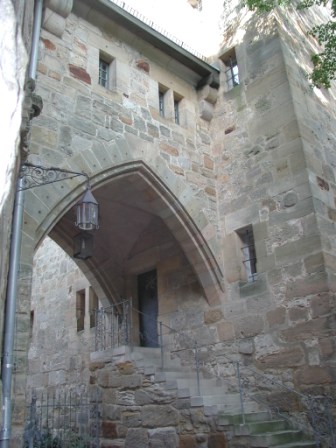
{"x":93,"y":306}
{"x":161,"y":103}
{"x":231,"y":69}
{"x":80,"y":309}
{"x":177,"y":111}
{"x":248,"y":251}
{"x":103,"y":73}
{"x":232,"y":75}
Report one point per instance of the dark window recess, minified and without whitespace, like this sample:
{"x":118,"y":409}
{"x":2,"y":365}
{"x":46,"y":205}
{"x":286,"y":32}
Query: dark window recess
{"x":93,"y":307}
{"x":177,"y":111}
{"x":248,"y":251}
{"x":80,"y":309}
{"x":103,"y":73}
{"x":148,"y":309}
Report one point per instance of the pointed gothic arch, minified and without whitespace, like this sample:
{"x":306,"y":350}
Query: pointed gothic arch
{"x":135,"y":189}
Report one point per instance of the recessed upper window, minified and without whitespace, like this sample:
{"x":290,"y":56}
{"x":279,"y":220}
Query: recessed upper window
{"x":93,"y":307}
{"x":231,"y":69}
{"x":103,"y":73}
{"x":161,"y":103}
{"x":80,"y":309}
{"x":162,"y":100}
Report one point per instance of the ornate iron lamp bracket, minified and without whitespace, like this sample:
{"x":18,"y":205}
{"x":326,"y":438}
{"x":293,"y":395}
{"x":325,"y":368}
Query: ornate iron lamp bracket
{"x":35,"y":175}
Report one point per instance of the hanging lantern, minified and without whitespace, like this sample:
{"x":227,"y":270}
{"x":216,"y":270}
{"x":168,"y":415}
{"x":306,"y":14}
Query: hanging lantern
{"x":87,"y":212}
{"x":83,"y":245}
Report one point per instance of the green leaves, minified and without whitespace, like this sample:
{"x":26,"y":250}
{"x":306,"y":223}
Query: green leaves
{"x":325,"y":62}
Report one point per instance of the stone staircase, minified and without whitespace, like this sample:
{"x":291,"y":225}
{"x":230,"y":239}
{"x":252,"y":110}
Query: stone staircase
{"x":258,"y":429}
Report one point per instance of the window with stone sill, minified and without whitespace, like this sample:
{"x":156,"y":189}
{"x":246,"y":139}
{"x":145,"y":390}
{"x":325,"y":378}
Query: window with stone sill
{"x":231,"y":69}
{"x":104,"y":74}
{"x":169,"y":104}
{"x":248,"y":252}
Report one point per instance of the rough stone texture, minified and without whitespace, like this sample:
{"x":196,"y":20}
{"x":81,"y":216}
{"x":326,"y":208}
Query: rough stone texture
{"x":174,"y":197}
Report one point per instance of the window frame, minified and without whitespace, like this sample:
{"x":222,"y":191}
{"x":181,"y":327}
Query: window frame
{"x":104,"y":81}
{"x":231,"y":70}
{"x":248,"y":251}
{"x":161,"y":103}
{"x":80,"y":309}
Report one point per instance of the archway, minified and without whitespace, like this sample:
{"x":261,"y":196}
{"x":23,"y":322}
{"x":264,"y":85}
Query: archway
{"x":131,"y":196}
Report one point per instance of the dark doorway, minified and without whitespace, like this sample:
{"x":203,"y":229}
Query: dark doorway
{"x":148,"y":307}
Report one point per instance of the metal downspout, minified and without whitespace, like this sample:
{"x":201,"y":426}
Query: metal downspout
{"x":14,"y":265}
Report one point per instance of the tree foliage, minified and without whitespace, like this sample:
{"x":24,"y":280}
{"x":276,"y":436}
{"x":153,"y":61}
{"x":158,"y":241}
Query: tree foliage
{"x":324,"y":70}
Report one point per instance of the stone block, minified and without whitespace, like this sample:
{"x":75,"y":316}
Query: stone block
{"x":311,"y":375}
{"x":44,"y":136}
{"x":131,"y":419}
{"x":327,"y":347}
{"x":188,"y":441}
{"x":156,"y":416}
{"x":125,"y":367}
{"x":212,"y":316}
{"x":306,"y":330}
{"x":249,"y":326}
{"x":246,"y":347}
{"x":111,"y":411}
{"x":290,"y":252}
{"x":321,"y":305}
{"x":302,"y":208}
{"x":109,"y":430}
{"x":225,"y":331}
{"x":291,"y":357}
{"x":314,"y":263}
{"x":136,"y":437}
{"x":217,"y":440}
{"x":131,"y":381}
{"x":257,"y":287}
{"x":314,"y":284}
{"x":125,"y":398}
{"x":163,"y":438}
{"x":298,"y":313}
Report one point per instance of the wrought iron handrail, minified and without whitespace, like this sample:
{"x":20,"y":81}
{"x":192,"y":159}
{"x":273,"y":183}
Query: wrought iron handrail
{"x":317,"y":418}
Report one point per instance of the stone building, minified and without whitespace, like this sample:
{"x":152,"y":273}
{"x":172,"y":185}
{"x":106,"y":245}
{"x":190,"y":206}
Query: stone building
{"x":216,"y":189}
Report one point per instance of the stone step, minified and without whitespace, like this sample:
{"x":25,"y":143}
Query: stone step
{"x":214,"y":410}
{"x":225,"y":419}
{"x":266,"y":426}
{"x":307,"y":444}
{"x":275,"y":438}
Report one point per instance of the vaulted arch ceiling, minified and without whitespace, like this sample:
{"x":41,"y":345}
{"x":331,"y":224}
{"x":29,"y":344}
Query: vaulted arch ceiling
{"x":130,"y":198}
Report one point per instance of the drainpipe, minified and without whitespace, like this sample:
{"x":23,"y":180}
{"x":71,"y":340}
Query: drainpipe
{"x":14,"y":266}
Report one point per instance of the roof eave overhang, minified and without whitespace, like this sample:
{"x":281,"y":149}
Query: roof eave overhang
{"x":150,"y":35}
